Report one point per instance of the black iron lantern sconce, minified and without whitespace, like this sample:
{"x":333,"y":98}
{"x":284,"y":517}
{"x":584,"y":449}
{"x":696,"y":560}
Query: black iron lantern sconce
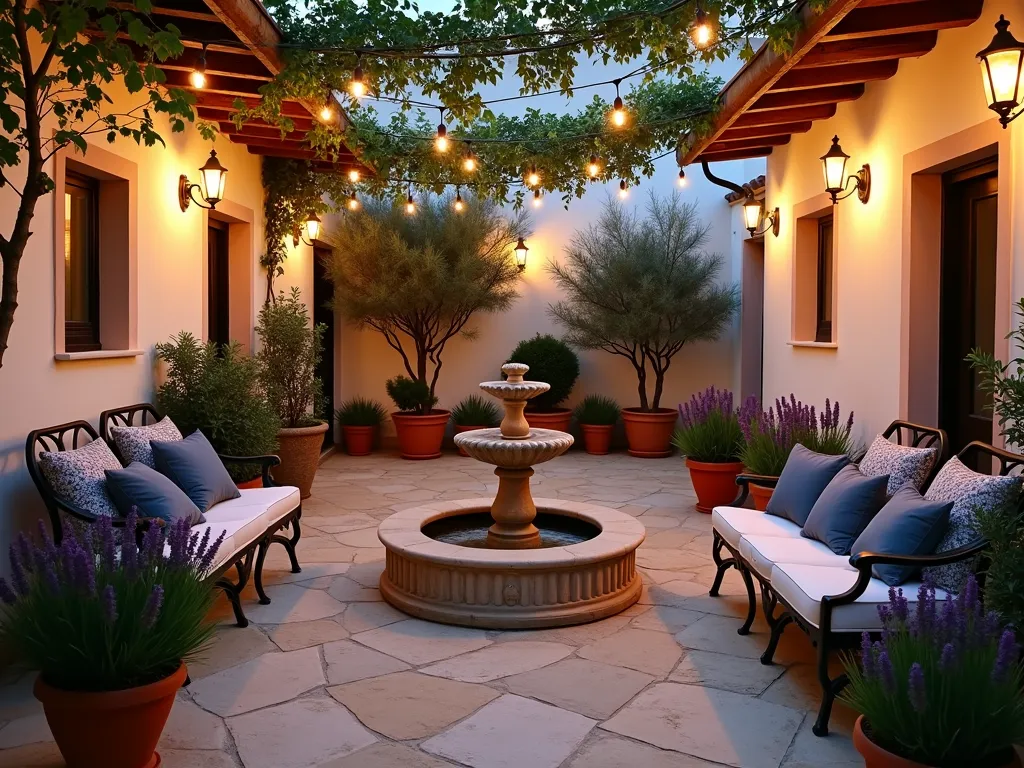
{"x":833,"y":165}
{"x":213,"y":175}
{"x":521,"y":252}
{"x":754,"y":214}
{"x":1001,"y":64}
{"x":310,"y":231}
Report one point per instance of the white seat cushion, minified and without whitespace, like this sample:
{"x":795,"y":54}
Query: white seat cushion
{"x":732,"y":523}
{"x":763,"y":552}
{"x":278,"y":501}
{"x":254,"y":511}
{"x":229,"y":547}
{"x":803,"y":586}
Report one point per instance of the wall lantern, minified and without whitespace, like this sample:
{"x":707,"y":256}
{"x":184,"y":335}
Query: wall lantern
{"x":753,"y":214}
{"x":833,"y":165}
{"x":1001,"y":65}
{"x":310,"y":231}
{"x":521,"y":252}
{"x":213,"y":176}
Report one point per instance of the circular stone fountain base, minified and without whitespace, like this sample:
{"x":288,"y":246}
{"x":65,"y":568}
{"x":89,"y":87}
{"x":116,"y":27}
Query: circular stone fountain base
{"x":551,"y":586}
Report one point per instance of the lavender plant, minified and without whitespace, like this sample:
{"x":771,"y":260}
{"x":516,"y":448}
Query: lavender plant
{"x":943,"y":685}
{"x":709,"y":426}
{"x":769,"y":436}
{"x":95,"y":615}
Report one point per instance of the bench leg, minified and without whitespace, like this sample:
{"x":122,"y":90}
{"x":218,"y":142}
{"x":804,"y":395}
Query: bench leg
{"x":234,"y":590}
{"x":751,"y":601}
{"x":830,"y":688}
{"x":768,"y":657}
{"x":290,"y":543}
{"x":723,"y":564}
{"x":261,"y":557}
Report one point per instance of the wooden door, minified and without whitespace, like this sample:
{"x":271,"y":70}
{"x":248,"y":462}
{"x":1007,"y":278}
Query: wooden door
{"x":217,"y":283}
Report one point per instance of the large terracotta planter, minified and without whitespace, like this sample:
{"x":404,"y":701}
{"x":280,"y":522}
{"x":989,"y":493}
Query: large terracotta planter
{"x":299,"y":450}
{"x":876,"y":757}
{"x":420,"y":437}
{"x":256,"y":482}
{"x":649,"y":433}
{"x":761,"y":495}
{"x":597,"y":438}
{"x":714,"y":482}
{"x":112,"y":729}
{"x":557,"y":419}
{"x":459,"y":430}
{"x":358,"y":440}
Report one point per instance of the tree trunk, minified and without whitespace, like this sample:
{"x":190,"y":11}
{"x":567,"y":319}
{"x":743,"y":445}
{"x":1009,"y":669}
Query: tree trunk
{"x":659,"y":385}
{"x":641,"y":376}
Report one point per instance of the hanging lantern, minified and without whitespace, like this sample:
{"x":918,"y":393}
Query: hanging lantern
{"x":1001,"y":64}
{"x":521,"y":252}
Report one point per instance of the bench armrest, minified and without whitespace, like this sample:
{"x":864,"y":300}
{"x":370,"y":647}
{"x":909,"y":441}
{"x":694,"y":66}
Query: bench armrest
{"x":265,"y":462}
{"x":865,"y":560}
{"x":744,"y":481}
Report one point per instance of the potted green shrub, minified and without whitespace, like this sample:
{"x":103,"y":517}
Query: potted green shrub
{"x":218,"y":391}
{"x":360,"y":418}
{"x":109,"y":630}
{"x":643,"y":289}
{"x":419,"y":426}
{"x":710,"y":439}
{"x":475,"y":412}
{"x":553,"y":361}
{"x":290,"y":350}
{"x":941,"y":689}
{"x":597,"y":416}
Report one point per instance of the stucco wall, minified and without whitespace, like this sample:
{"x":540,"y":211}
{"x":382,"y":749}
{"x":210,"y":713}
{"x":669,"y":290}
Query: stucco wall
{"x":935,"y":99}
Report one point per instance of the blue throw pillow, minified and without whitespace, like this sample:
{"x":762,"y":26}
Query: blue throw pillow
{"x":801,"y":483}
{"x":845,"y":508}
{"x":907,"y":525}
{"x":152,"y":494}
{"x":195,"y":467}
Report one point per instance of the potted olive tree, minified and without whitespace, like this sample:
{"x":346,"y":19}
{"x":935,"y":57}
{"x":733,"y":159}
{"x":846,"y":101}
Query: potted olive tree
{"x":642,"y":289}
{"x":475,"y":412}
{"x":290,"y":351}
{"x":360,"y":419}
{"x":109,"y":628}
{"x":552,"y":361}
{"x":597,"y":416}
{"x":419,"y":281}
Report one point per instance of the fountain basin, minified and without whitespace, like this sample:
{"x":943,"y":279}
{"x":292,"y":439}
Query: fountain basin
{"x":549,"y":586}
{"x":539,"y":446}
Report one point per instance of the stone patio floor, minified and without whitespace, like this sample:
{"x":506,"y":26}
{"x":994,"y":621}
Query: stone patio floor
{"x":328,"y":675}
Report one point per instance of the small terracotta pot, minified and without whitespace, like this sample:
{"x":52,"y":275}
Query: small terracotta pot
{"x":557,"y":419}
{"x":113,"y":729}
{"x":649,"y":433}
{"x":459,"y":430}
{"x":714,"y":482}
{"x":299,"y":449}
{"x":597,"y":438}
{"x":256,"y":482}
{"x":358,"y":440}
{"x":876,"y":757}
{"x":760,"y":494}
{"x":420,"y":437}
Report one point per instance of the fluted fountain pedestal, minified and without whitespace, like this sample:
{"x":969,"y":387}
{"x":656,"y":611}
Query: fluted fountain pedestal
{"x":511,"y":562}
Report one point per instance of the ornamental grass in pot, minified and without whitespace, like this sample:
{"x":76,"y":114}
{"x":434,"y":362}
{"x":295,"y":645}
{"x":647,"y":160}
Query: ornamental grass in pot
{"x":597,"y":416}
{"x":710,"y":439}
{"x":475,"y":412}
{"x":109,"y":630}
{"x":419,"y":426}
{"x":553,"y":361}
{"x":290,"y":351}
{"x":942,"y":688}
{"x":642,"y":289}
{"x":360,"y":419}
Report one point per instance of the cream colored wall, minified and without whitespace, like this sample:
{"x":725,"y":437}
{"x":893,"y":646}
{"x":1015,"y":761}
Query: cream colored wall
{"x":35,"y":390}
{"x":929,"y":99}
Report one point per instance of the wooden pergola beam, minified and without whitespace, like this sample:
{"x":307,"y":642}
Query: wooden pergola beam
{"x":777,"y":116}
{"x":859,"y":51}
{"x":728,"y":145}
{"x":737,"y":154}
{"x":843,"y":74}
{"x":226,"y":103}
{"x":903,"y":18}
{"x":808,"y":98}
{"x":783,"y":129}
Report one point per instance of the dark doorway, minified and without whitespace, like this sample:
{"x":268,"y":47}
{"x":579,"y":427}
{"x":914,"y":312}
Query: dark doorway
{"x":217,"y":315}
{"x":967,"y":305}
{"x":323,"y":312}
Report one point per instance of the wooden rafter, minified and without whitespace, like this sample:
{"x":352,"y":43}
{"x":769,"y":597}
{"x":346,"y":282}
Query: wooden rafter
{"x":783,"y":129}
{"x":808,"y":98}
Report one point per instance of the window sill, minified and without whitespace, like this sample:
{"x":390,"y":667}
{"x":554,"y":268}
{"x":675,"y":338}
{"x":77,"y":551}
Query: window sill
{"x":814,"y":344}
{"x":100,"y":354}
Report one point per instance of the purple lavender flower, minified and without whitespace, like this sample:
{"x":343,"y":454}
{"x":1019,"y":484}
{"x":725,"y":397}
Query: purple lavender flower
{"x":6,"y":593}
{"x":110,"y":604}
{"x":900,"y":607}
{"x":129,"y":547}
{"x":18,"y":578}
{"x":915,"y":690}
{"x":867,"y":655}
{"x":1005,"y":657}
{"x":108,"y":547}
{"x":46,"y":566}
{"x":85,"y":571}
{"x":703,"y":404}
{"x":201,"y":550}
{"x":885,"y":672}
{"x":925,"y":618}
{"x":948,"y":658}
{"x":23,"y":551}
{"x":152,"y":610}
{"x":206,"y":561}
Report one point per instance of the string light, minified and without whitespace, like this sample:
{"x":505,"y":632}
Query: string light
{"x":701,"y":32}
{"x":357,"y":86}
{"x":533,"y":177}
{"x":593,"y":168}
{"x":682,"y":178}
{"x":354,"y":175}
{"x":537,"y":199}
{"x":410,"y":204}
{"x":623,"y":190}
{"x":198,"y":75}
{"x":618,"y":109}
{"x":459,"y":205}
{"x":353,"y":202}
{"x":326,"y":114}
{"x":469,"y":161}
{"x":441,"y":142}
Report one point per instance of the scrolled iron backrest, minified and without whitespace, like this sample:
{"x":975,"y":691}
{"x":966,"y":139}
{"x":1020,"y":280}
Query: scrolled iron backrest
{"x":138,"y":415}
{"x":1008,"y":460}
{"x":920,"y":436}
{"x":62,"y":437}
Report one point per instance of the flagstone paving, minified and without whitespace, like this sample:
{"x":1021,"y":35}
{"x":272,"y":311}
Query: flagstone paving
{"x":329,"y":676}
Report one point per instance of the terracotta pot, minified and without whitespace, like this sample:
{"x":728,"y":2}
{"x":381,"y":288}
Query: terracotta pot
{"x":714,"y":482}
{"x":649,"y":433}
{"x":113,"y":729}
{"x":557,"y":419}
{"x":597,"y":438}
{"x":876,"y":757}
{"x":760,"y":494}
{"x":459,"y":430}
{"x":299,"y":449}
{"x":256,"y":482}
{"x":358,"y":440}
{"x":420,"y":437}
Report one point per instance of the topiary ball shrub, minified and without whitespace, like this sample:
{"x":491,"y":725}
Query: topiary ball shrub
{"x":411,"y":395}
{"x":552,"y":361}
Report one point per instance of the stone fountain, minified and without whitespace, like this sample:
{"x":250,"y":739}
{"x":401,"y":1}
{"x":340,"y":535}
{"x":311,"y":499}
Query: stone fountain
{"x":511,"y":562}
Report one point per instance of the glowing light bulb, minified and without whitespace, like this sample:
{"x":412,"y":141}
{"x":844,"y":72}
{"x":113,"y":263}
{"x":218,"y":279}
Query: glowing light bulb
{"x":682,"y":178}
{"x":623,"y":190}
{"x":353,"y":202}
{"x":469,"y":163}
{"x":533,"y":177}
{"x":619,"y":116}
{"x":538,"y":200}
{"x":354,"y":175}
{"x":593,"y":167}
{"x":357,"y":87}
{"x":459,"y":205}
{"x":701,"y":32}
{"x":197,"y":79}
{"x":326,"y":114}
{"x":410,"y":206}
{"x":441,"y":142}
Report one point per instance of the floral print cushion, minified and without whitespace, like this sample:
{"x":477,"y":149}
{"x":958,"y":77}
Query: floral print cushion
{"x":903,"y":464}
{"x":133,"y":442}
{"x":969,"y":491}
{"x":78,"y":476}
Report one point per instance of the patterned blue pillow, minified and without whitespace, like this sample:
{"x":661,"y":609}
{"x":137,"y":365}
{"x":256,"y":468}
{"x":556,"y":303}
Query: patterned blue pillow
{"x":133,"y":442}
{"x":78,"y":476}
{"x":904,"y":464}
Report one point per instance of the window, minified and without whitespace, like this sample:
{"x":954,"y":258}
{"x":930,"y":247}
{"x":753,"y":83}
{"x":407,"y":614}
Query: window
{"x":81,"y":264}
{"x":824,"y":293}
